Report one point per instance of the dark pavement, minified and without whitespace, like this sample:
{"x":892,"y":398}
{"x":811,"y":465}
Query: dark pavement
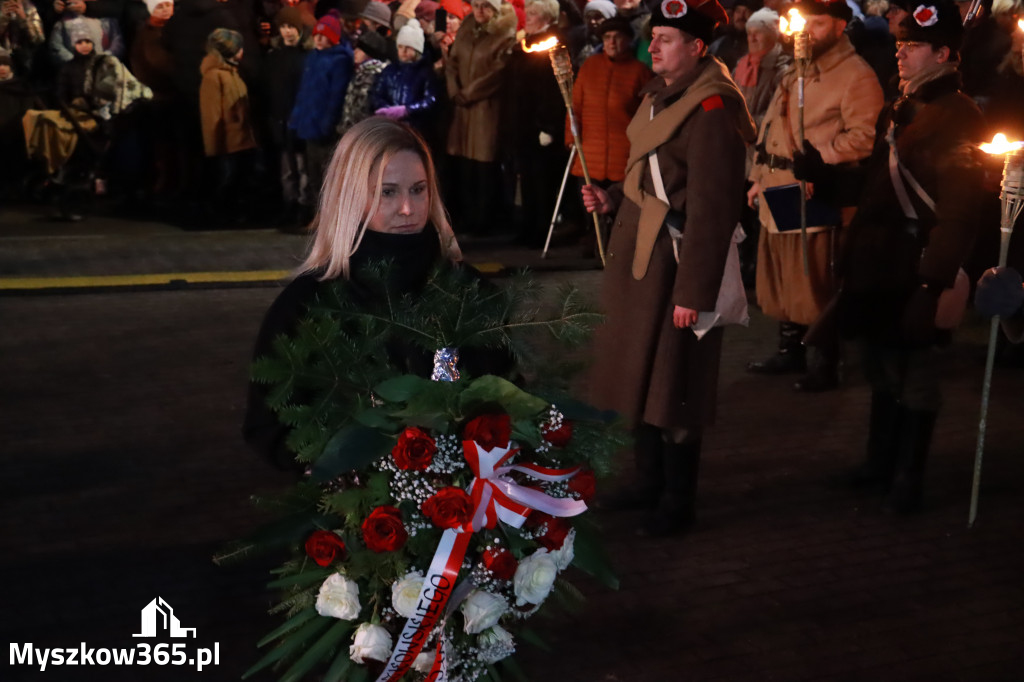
{"x":123,"y":472}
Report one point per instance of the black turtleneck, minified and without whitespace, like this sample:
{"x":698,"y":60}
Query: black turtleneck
{"x":411,"y":258}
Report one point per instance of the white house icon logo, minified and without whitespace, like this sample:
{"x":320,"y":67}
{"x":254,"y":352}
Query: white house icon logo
{"x":158,"y":616}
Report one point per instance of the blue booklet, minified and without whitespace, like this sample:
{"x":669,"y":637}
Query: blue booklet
{"x":784,"y":203}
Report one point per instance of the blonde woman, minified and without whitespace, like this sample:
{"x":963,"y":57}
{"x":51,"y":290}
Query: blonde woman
{"x":380,"y":203}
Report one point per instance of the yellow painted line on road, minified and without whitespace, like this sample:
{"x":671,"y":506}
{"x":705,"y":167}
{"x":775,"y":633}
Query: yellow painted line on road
{"x":489,"y":267}
{"x":140,"y":280}
{"x":163,"y":279}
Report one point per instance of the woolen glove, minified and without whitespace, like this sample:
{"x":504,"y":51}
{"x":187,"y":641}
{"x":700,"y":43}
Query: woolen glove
{"x":918,"y":324}
{"x":808,"y":164}
{"x":396,"y":112}
{"x":1000,"y":292}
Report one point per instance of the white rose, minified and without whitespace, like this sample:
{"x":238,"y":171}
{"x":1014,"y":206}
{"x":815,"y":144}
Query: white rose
{"x":371,"y":641}
{"x":564,"y":555}
{"x":424,"y":661}
{"x":482,"y":610}
{"x":534,"y":578}
{"x":338,"y":598}
{"x":405,"y":594}
{"x":495,"y":644}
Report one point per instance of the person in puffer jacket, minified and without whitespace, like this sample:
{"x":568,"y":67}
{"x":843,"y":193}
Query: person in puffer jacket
{"x":371,"y":57}
{"x":406,"y":90}
{"x":318,"y":105}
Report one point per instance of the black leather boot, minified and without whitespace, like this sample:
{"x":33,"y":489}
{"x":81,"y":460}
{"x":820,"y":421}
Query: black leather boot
{"x":915,"y":439}
{"x":646,"y":489}
{"x":791,"y":356}
{"x":676,"y":510}
{"x":822,"y":372}
{"x":883,"y":431}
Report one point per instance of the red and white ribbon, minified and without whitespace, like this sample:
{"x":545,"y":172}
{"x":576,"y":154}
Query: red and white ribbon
{"x":495,"y":496}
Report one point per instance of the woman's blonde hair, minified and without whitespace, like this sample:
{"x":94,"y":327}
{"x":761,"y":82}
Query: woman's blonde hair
{"x":352,"y":190}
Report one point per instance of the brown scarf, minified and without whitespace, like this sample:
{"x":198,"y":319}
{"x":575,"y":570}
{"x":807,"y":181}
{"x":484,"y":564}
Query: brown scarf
{"x":646,"y":134}
{"x":909,"y":87}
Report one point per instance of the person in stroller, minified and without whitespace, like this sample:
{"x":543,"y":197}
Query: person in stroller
{"x":92,"y":89}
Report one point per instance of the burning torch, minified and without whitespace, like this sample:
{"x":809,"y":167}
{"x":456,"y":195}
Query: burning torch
{"x":1012,"y":197}
{"x":562,"y":67}
{"x":794,"y":26}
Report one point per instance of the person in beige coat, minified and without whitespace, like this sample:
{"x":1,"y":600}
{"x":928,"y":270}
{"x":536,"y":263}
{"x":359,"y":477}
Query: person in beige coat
{"x":224,"y":112}
{"x":475,"y":73}
{"x":655,"y":359}
{"x":842,"y":102}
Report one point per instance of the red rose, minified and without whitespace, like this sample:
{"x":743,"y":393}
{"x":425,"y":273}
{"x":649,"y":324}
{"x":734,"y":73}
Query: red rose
{"x":414,"y":450}
{"x":383,"y":530}
{"x":554,"y":537}
{"x":449,"y":508}
{"x":500,"y":562}
{"x":323,"y":547}
{"x":583,"y":484}
{"x":559,"y":437}
{"x":489,"y":431}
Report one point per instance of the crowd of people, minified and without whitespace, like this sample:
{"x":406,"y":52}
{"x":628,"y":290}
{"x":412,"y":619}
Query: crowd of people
{"x":228,"y":110}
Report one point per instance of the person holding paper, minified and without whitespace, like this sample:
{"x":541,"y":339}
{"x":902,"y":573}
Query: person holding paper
{"x":657,"y":355}
{"x":841,"y":104}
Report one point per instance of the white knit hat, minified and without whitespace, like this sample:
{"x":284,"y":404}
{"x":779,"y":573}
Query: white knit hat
{"x":151,"y":4}
{"x":606,"y":8}
{"x":411,"y":35}
{"x":764,"y":19}
{"x":496,"y":4}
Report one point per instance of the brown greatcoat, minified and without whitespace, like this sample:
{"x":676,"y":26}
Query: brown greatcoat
{"x":842,"y":100}
{"x":474,"y":73}
{"x":224,"y":108}
{"x":646,"y":369}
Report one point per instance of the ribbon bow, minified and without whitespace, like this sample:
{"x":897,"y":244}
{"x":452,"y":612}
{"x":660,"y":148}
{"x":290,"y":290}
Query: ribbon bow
{"x":495,"y":496}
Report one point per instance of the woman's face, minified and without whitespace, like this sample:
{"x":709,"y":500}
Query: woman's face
{"x":536,"y":20}
{"x":483,"y":11}
{"x":164,"y":11}
{"x":404,"y":196}
{"x":759,"y":41}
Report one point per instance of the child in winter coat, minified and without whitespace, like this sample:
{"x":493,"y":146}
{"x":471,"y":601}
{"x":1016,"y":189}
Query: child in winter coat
{"x":407,"y":90}
{"x":282,"y":69}
{"x":62,"y":47}
{"x":370,"y":59}
{"x":224,"y":110}
{"x":325,"y":78}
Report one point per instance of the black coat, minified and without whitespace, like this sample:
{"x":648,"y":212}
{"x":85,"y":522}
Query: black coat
{"x":282,"y":69}
{"x":533,"y":102}
{"x":887,"y":257}
{"x":414,"y":257}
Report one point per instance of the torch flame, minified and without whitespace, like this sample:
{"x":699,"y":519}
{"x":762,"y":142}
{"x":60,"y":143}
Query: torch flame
{"x":1020,"y":24}
{"x":542,"y":46}
{"x":795,"y":24}
{"x":1000,"y":145}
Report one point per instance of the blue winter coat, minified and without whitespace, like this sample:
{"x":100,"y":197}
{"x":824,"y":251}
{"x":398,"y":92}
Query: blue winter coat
{"x":412,"y":85}
{"x":325,"y":78}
